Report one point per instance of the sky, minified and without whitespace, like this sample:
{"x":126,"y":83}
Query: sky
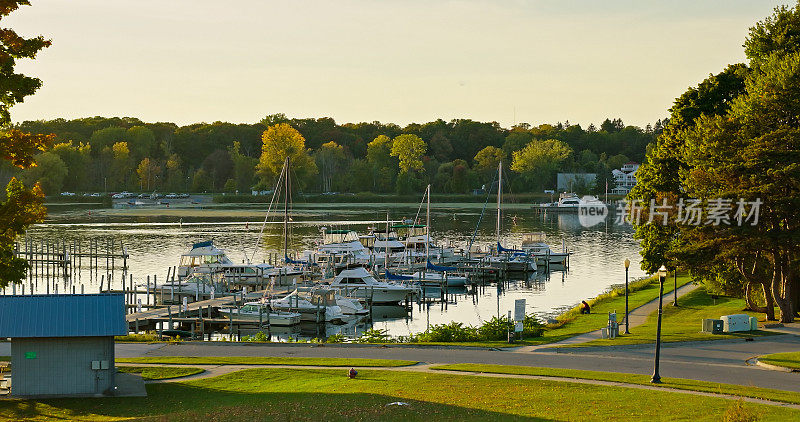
{"x":508,"y":61}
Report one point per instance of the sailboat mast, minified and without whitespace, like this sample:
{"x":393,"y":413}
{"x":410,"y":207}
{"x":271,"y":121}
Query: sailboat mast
{"x":286,"y":209}
{"x":386,"y":245}
{"x":499,"y":197}
{"x":428,"y":226}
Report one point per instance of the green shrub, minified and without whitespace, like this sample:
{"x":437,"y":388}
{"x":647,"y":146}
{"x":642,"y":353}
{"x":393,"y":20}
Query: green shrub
{"x":532,"y":327}
{"x":257,"y":337}
{"x":336,"y":338}
{"x":374,"y":336}
{"x":144,"y":338}
{"x":496,"y":329}
{"x":452,"y":332}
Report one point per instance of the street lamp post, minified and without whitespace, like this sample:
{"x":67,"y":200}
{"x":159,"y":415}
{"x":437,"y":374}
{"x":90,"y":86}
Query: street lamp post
{"x":662,"y":275}
{"x":627,"y":326}
{"x":675,"y":287}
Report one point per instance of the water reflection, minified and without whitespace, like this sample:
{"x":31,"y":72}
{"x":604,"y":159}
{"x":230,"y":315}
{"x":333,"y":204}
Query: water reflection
{"x":156,"y":241}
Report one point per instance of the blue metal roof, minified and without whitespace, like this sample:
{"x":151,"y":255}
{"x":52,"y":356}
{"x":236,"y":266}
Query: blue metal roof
{"x":87,"y":315}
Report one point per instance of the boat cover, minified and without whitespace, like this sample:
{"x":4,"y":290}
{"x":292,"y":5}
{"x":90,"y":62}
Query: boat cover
{"x":390,"y":276}
{"x":440,"y":268}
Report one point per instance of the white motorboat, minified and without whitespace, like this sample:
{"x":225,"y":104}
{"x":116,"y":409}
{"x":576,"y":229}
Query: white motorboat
{"x":351,"y":306}
{"x":434,"y":277}
{"x":257,"y":311}
{"x":534,"y":244}
{"x":339,"y":249}
{"x":512,"y":261}
{"x":568,"y":202}
{"x":316,"y":304}
{"x":360,"y":283}
{"x":204,"y":257}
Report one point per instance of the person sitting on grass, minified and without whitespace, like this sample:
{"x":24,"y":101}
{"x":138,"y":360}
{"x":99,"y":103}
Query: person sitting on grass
{"x":585,"y":309}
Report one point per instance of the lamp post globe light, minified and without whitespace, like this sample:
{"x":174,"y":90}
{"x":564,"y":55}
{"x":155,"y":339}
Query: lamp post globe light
{"x":627,"y":326}
{"x":662,"y":275}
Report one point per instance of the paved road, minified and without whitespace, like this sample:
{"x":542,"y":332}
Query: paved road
{"x":719,"y":361}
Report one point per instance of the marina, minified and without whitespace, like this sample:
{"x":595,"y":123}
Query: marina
{"x":479,"y":288}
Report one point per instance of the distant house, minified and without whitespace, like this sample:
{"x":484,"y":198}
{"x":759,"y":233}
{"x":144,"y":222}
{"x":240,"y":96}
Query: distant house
{"x":62,"y":345}
{"x":625,"y":178}
{"x":566,"y":182}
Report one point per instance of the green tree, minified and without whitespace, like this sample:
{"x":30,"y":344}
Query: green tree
{"x":658,"y":178}
{"x":121,"y":166}
{"x":539,"y":160}
{"x":385,"y":167}
{"x":752,"y":153}
{"x":379,"y":152}
{"x":77,"y":158}
{"x":734,"y":136}
{"x":279,"y":142}
{"x":409,"y":149}
{"x":244,"y":168}
{"x":617,"y":161}
{"x":329,"y":158}
{"x":175,"y":180}
{"x":49,"y":172}
{"x":201,"y":181}
{"x":486,"y":162}
{"x":141,"y":141}
{"x":441,"y":147}
{"x":149,"y":171}
{"x":21,"y":206}
{"x":107,"y":137}
{"x":777,"y":34}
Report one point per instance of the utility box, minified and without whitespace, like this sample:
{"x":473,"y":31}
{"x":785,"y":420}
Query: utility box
{"x":735,"y":323}
{"x":713,"y":326}
{"x":753,"y":323}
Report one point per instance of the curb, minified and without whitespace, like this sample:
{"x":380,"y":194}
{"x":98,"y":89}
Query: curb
{"x":345,"y":345}
{"x":580,"y":349}
{"x":775,"y":367}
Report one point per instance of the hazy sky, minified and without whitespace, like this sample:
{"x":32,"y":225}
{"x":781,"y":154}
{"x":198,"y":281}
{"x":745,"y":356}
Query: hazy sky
{"x":393,"y":61}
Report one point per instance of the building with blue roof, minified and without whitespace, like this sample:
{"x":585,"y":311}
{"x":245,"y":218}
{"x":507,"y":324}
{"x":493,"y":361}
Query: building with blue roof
{"x":62,"y":345}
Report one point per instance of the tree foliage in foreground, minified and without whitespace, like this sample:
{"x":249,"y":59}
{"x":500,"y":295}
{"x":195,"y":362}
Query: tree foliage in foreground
{"x":735,"y":137}
{"x":21,"y":206}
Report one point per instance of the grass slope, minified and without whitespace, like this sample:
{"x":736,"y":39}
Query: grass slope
{"x":160,"y":372}
{"x":786,"y":360}
{"x":683,"y":323}
{"x":574,"y":323}
{"x":247,"y":360}
{"x":678,"y":383}
{"x":320,"y":394}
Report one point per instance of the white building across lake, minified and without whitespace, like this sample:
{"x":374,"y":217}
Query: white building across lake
{"x":625,"y":178}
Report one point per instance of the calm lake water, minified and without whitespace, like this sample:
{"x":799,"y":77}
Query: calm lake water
{"x":155,"y":239}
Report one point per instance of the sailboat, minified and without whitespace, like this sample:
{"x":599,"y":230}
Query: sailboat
{"x":436,"y":273}
{"x":509,"y":259}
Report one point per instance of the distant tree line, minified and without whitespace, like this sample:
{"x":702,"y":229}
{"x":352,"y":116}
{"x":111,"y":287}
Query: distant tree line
{"x":99,"y":154}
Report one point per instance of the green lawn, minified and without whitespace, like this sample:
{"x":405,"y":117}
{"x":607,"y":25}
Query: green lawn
{"x":160,"y":372}
{"x":5,"y":358}
{"x":327,"y":394}
{"x":247,"y":360}
{"x":684,"y":322}
{"x":787,"y":360}
{"x":678,"y":383}
{"x":614,"y":301}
